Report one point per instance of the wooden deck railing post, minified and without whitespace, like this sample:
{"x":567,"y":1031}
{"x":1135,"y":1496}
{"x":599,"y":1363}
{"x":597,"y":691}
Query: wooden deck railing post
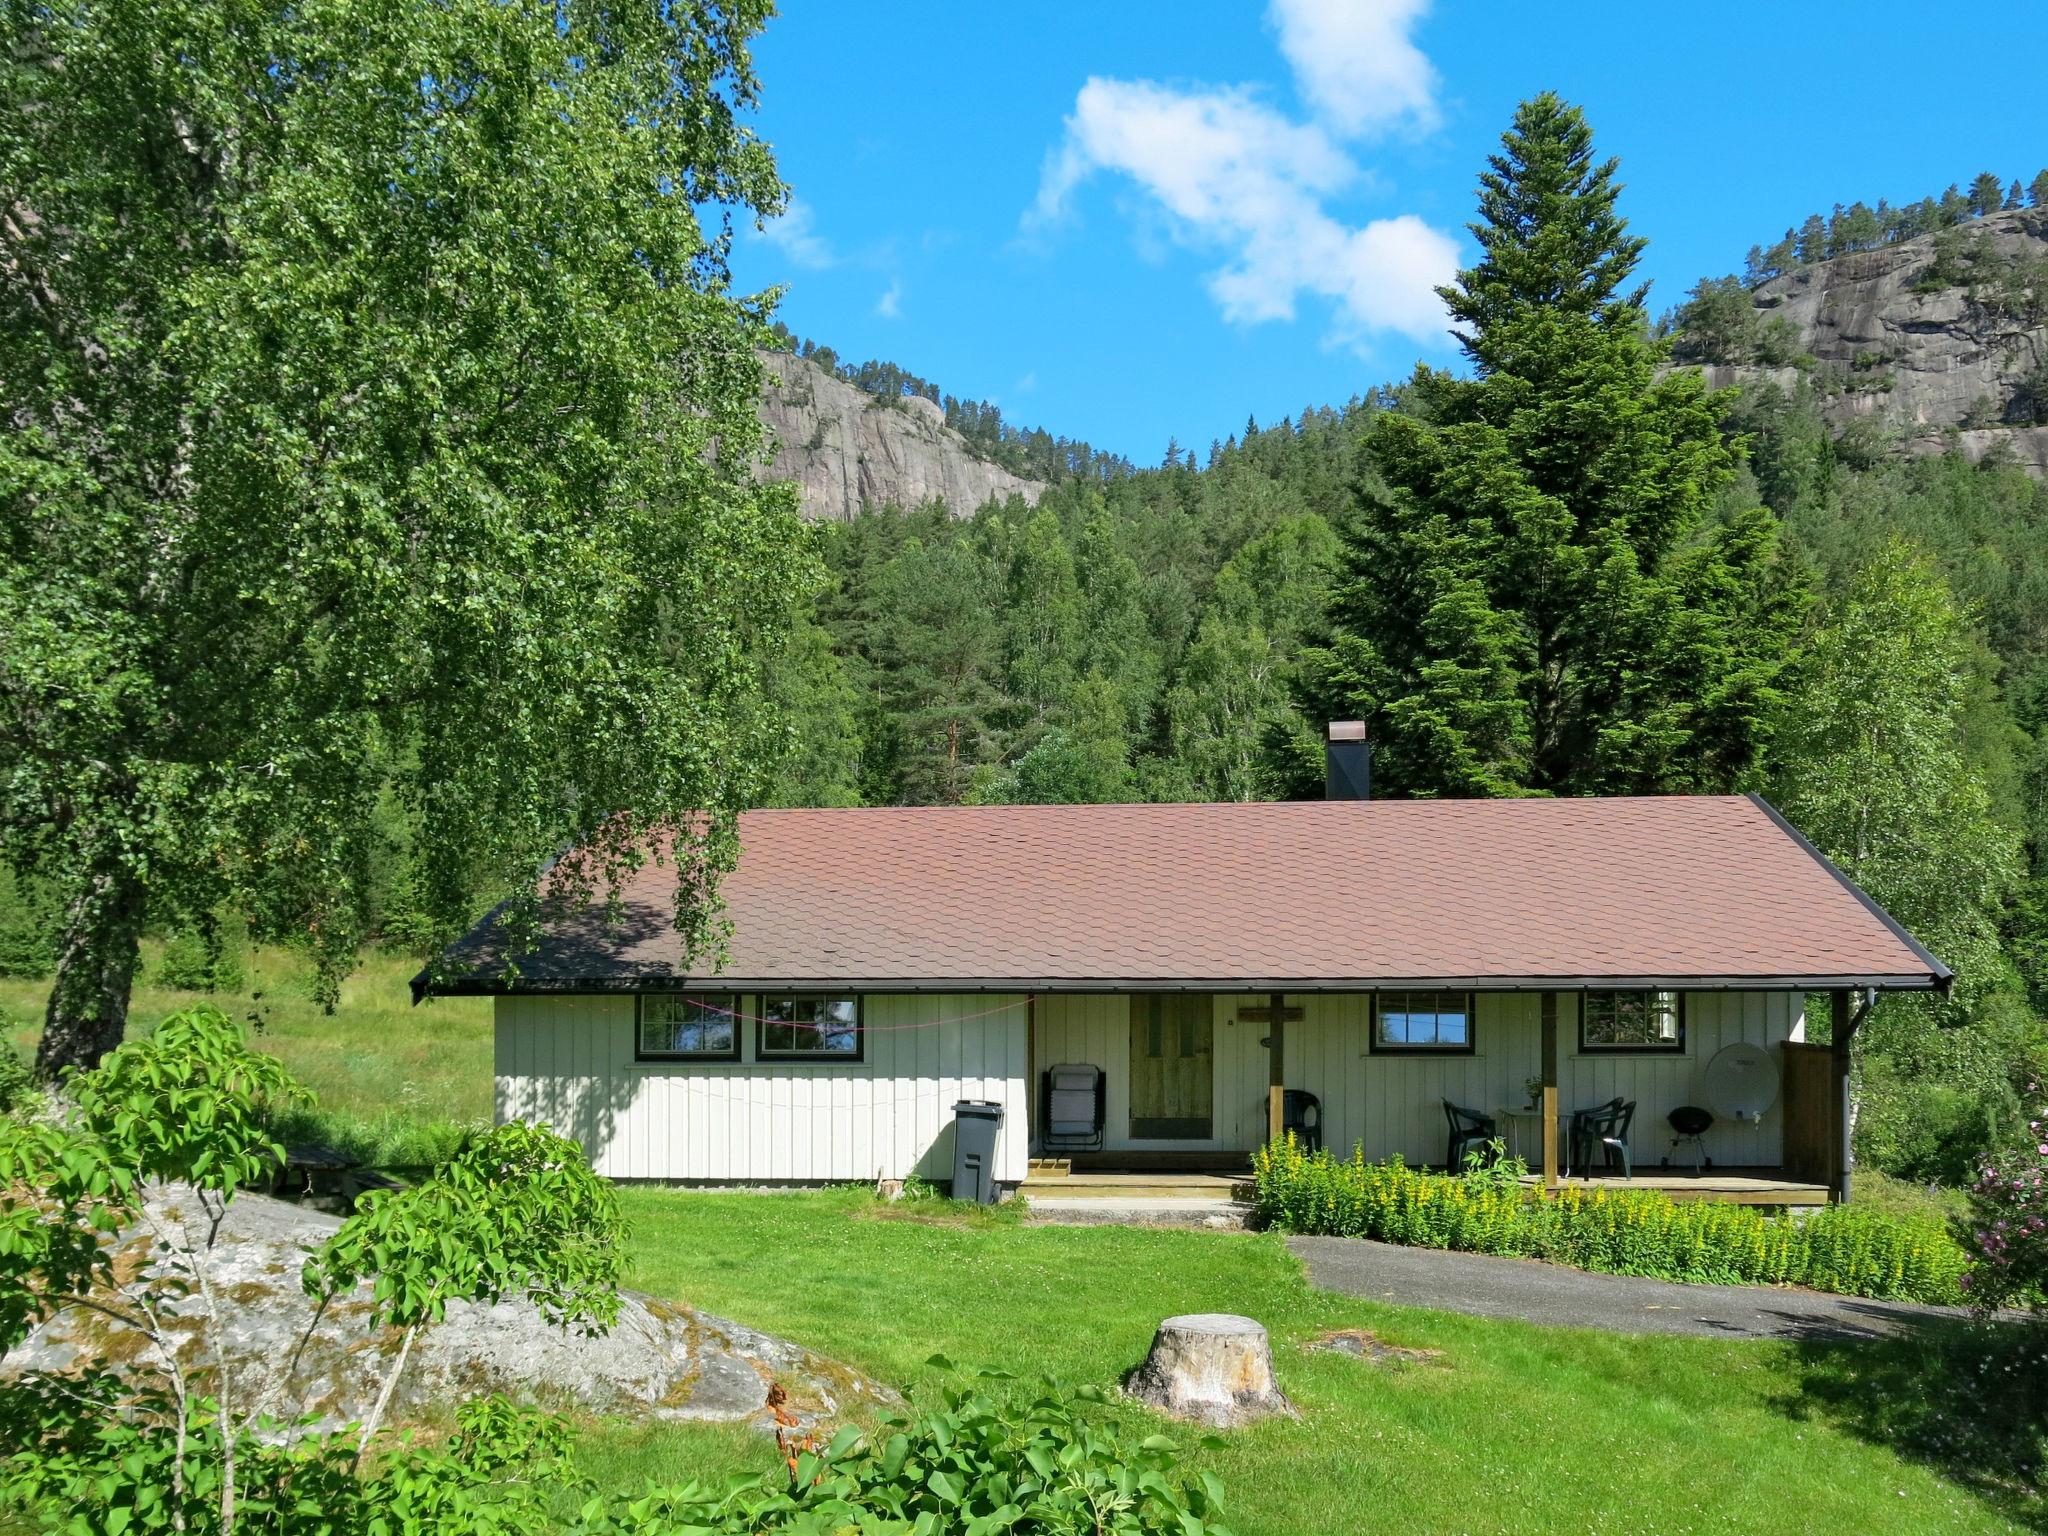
{"x":1276,"y":1071}
{"x":1550,"y":1150}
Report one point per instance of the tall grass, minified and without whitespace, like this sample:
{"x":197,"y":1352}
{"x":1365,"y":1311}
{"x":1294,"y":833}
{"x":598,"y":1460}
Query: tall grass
{"x":396,"y":1086}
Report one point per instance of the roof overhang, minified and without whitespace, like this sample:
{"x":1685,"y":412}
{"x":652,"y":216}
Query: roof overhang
{"x":497,"y":986}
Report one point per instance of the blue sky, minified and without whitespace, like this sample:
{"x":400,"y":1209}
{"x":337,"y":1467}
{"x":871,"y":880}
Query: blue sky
{"x":1134,"y":221}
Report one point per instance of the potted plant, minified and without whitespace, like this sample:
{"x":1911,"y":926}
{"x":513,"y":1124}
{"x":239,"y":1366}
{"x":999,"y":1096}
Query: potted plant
{"x":1533,"y":1087}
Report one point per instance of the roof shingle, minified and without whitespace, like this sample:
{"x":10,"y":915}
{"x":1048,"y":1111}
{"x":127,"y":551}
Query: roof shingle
{"x":1290,"y":896}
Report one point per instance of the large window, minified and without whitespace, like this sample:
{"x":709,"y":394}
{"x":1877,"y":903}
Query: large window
{"x":810,"y":1028}
{"x":1632,"y":1021}
{"x":1422,"y":1022}
{"x":696,"y":1028}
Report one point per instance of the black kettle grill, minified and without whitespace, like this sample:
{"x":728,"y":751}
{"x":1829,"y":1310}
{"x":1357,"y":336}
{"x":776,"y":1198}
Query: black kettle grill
{"x":1690,"y":1123}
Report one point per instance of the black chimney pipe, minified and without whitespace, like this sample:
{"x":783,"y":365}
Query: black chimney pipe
{"x":1347,"y":761}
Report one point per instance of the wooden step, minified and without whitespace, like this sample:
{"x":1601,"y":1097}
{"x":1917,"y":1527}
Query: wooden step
{"x":1137,"y":1186}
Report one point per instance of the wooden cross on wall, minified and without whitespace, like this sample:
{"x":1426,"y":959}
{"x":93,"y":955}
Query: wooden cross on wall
{"x":1274,"y":1012}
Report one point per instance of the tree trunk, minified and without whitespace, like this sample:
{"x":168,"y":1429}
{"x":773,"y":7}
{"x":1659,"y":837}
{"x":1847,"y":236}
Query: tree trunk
{"x":88,"y":1010}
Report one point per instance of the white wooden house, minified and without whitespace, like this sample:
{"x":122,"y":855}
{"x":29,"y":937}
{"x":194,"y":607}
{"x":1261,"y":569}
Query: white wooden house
{"x":1384,"y":956}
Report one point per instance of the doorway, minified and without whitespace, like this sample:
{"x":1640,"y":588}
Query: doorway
{"x":1173,"y":1067}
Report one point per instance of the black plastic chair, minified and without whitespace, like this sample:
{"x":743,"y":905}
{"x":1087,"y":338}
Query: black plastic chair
{"x":1469,"y":1129}
{"x":1301,"y":1113}
{"x":1604,"y":1129}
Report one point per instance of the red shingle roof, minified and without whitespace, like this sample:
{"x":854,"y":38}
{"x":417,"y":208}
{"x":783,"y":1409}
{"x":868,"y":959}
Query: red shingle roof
{"x":1714,"y":890}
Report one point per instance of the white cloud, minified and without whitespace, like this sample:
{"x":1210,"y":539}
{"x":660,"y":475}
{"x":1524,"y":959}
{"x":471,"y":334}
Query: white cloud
{"x":1354,"y":63}
{"x":795,"y":234}
{"x":1233,"y":175}
{"x":890,"y":305}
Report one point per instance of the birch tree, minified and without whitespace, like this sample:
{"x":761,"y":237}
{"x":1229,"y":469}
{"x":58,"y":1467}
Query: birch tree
{"x":380,"y":420}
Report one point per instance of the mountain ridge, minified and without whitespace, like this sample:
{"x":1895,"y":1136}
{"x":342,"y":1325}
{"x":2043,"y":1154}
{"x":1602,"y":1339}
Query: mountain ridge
{"x":1928,"y":343}
{"x":844,"y":448}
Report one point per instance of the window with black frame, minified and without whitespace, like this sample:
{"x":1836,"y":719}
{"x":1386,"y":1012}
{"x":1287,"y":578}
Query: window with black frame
{"x":1422,"y":1022}
{"x":1632,"y":1021}
{"x":804,"y":1027}
{"x":674,"y":1027}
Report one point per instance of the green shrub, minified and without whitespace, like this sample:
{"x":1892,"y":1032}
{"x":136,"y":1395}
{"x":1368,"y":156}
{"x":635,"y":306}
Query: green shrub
{"x":1031,"y":1465}
{"x":17,"y":1081}
{"x":28,"y":929}
{"x":1844,"y":1249}
{"x":196,"y":960}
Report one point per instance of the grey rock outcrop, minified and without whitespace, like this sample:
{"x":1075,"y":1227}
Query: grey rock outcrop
{"x":1928,"y":368}
{"x":845,"y":448}
{"x":661,"y":1360}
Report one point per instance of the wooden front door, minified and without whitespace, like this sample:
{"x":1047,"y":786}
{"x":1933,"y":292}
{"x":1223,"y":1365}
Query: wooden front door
{"x":1173,"y":1067}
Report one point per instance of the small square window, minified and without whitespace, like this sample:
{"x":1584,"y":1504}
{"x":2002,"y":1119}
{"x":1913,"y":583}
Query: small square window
{"x":805,"y":1027}
{"x":678,"y":1028}
{"x":1632,"y":1021}
{"x":1422,"y":1022}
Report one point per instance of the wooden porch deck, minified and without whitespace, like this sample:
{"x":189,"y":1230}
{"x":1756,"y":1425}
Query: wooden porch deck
{"x":1732,"y":1186}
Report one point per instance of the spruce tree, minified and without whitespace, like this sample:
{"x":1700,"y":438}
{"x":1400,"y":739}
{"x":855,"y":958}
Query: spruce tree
{"x":1532,"y":604}
{"x":2037,"y":190}
{"x":1986,"y":192}
{"x":1813,"y":240}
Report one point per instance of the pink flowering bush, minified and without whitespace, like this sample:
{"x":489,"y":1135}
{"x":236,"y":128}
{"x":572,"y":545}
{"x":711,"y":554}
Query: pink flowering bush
{"x":2006,"y":1232}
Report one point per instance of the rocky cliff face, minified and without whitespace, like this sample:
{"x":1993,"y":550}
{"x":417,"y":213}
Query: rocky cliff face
{"x":845,"y":448}
{"x":1937,"y":339}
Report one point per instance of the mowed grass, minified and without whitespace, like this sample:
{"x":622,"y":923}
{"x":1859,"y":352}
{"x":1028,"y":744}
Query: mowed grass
{"x":1509,"y":1428}
{"x":395,"y":1084}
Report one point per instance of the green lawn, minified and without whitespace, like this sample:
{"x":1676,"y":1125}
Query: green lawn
{"x":393,"y":1081}
{"x":1512,"y":1428}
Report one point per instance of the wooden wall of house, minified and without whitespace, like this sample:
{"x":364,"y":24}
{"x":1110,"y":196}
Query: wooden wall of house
{"x":1393,"y":1103}
{"x":569,"y":1061}
{"x":1660,"y":1083}
{"x":1096,"y":1028}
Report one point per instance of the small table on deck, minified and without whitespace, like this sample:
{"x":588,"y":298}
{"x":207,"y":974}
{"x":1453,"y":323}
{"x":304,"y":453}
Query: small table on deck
{"x":1512,"y":1121}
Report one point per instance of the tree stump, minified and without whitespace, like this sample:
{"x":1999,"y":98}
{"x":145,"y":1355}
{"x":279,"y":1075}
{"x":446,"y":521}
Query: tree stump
{"x":1212,"y":1368}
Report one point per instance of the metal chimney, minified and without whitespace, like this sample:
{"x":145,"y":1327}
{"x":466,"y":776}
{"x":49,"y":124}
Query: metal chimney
{"x":1347,"y":761}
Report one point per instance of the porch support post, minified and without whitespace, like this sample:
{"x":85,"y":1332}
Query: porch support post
{"x":1841,"y":1038}
{"x":1276,"y":1070}
{"x":1550,"y":1148}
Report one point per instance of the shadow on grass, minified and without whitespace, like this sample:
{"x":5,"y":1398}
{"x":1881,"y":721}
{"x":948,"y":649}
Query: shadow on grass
{"x":1967,"y":1400}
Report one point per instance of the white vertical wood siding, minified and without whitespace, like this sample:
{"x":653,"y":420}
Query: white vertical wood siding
{"x":1660,"y":1083}
{"x":1096,"y":1028}
{"x":568,"y":1061}
{"x":1393,"y":1104}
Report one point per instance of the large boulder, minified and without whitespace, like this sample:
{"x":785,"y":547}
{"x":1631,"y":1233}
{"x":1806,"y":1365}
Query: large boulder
{"x":662,"y":1359}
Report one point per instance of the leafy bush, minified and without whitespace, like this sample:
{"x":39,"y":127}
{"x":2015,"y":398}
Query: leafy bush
{"x":1624,"y":1232}
{"x":17,"y":1081}
{"x":518,"y":1213}
{"x":196,"y":960}
{"x":1039,"y":1465}
{"x":28,"y":927}
{"x":2007,"y":1228}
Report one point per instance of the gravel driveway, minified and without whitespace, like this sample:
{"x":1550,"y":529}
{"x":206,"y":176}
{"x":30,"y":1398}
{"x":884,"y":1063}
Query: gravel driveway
{"x":1548,"y":1293}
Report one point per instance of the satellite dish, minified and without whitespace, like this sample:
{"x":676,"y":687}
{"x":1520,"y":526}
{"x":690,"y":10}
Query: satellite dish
{"x":1741,"y":1081}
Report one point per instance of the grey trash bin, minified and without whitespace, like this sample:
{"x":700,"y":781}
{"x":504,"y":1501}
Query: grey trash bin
{"x":976,"y":1123}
